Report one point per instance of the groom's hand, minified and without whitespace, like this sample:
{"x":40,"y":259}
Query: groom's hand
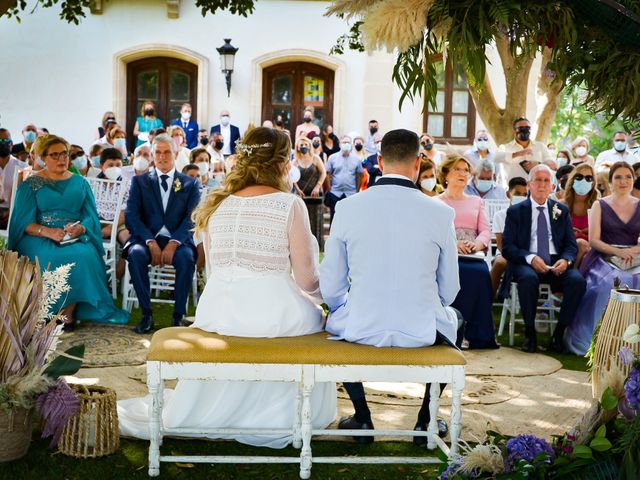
{"x":156,"y":253}
{"x":167,"y":253}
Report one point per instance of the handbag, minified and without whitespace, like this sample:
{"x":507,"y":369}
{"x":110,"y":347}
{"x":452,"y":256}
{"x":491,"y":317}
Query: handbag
{"x":620,"y":263}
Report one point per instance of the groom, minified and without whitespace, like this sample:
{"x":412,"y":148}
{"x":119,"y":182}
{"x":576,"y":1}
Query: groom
{"x":158,"y":215}
{"x":403,"y":267}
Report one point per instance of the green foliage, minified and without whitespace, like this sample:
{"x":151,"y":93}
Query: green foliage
{"x":608,"y":401}
{"x":629,"y":446}
{"x":64,"y":365}
{"x":353,"y":40}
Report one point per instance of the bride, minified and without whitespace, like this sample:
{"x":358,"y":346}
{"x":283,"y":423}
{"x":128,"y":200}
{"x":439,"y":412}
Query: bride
{"x":255,"y":235}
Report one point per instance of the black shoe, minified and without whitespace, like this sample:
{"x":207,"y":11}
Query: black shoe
{"x":443,"y":429}
{"x":68,"y":327}
{"x":178,"y":321}
{"x":556,"y":345}
{"x":145,"y":325}
{"x":350,"y":423}
{"x":530,"y":345}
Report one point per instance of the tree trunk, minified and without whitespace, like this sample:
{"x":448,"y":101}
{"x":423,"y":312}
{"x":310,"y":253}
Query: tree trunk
{"x":549,"y":87}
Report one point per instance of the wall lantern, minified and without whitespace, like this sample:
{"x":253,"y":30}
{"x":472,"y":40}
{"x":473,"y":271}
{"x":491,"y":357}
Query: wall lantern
{"x":227,"y":56}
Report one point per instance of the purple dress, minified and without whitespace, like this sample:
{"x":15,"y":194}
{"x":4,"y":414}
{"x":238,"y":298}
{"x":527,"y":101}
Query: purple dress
{"x":600,"y":275}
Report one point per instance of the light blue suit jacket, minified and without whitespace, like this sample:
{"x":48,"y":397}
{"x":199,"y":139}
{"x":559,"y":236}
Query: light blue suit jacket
{"x":398,"y":247}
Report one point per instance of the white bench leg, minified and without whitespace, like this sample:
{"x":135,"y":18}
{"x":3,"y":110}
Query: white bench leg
{"x":456,"y":410}
{"x":155,"y":385}
{"x":433,"y":413}
{"x":306,"y":428}
{"x":297,"y":435}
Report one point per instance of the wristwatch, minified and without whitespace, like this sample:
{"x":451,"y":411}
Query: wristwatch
{"x":569,"y":263}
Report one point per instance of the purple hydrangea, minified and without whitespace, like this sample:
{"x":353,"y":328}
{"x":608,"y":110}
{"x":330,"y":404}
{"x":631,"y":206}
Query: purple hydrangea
{"x":626,"y":356}
{"x":632,"y":389}
{"x":451,"y":471}
{"x":526,"y":447}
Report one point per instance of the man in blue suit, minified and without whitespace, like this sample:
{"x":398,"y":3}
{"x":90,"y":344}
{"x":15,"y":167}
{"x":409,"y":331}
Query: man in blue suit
{"x":230,"y":133}
{"x":540,"y":246}
{"x":189,"y":126}
{"x":158,"y":215}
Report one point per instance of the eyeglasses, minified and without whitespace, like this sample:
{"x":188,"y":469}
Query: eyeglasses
{"x":579,"y":176}
{"x":5,"y":140}
{"x":57,"y":155}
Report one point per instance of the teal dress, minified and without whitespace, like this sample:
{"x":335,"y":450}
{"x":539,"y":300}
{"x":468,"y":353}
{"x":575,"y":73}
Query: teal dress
{"x":55,"y":203}
{"x":146,"y":125}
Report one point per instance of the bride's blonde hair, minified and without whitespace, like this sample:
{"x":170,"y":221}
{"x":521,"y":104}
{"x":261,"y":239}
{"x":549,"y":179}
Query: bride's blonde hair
{"x":262,"y":156}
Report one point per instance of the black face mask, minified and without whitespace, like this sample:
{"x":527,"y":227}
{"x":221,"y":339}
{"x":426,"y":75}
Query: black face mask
{"x":315,"y":144}
{"x":219,"y":145}
{"x":204,"y":141}
{"x":358,"y":146}
{"x":373,"y":130}
{"x":524,"y":133}
{"x":304,"y":150}
{"x":149,"y":111}
{"x":279,"y":123}
{"x":307,"y":119}
{"x":5,"y":149}
{"x":427,"y":146}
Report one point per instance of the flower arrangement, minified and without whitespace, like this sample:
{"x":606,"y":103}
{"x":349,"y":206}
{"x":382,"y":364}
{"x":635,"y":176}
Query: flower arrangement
{"x":28,"y":337}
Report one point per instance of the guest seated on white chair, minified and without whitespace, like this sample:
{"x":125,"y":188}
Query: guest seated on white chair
{"x":540,"y":246}
{"x":517,"y":193}
{"x":562,"y":176}
{"x":614,"y":228}
{"x":427,"y":179}
{"x":473,"y":235}
{"x":141,"y":163}
{"x":202,"y":158}
{"x":483,"y":183}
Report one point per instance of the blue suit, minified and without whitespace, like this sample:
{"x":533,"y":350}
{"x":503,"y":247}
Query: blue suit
{"x":145,"y":218}
{"x":516,"y":241}
{"x":191,"y":131}
{"x":235,"y":135}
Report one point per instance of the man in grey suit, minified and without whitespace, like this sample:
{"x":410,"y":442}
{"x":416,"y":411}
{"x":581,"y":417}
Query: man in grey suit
{"x":403,"y":266}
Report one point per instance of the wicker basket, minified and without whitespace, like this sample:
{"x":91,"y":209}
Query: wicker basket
{"x":15,"y":433}
{"x":623,"y":310}
{"x":93,"y":431}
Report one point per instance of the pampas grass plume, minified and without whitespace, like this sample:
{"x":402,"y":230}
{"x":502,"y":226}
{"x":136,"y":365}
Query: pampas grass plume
{"x":395,"y":24}
{"x":350,"y":8}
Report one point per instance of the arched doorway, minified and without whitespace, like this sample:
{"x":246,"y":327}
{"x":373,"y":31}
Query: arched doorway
{"x":168,"y":82}
{"x":287,"y":88}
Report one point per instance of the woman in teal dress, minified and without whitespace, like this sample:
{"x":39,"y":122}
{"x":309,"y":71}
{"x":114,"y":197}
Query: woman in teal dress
{"x":55,"y":205}
{"x":146,"y":122}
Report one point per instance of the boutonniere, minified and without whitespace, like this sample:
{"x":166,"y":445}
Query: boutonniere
{"x":556,"y":212}
{"x":177,"y":185}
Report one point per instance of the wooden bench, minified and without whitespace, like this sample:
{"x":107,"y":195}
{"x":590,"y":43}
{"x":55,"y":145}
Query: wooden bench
{"x":189,"y":353}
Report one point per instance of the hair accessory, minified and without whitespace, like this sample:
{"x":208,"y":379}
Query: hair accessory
{"x":248,"y":149}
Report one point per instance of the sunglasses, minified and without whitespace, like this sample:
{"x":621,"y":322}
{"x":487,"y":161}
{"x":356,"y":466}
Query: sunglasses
{"x":483,"y":139}
{"x":579,"y":176}
{"x":75,"y":155}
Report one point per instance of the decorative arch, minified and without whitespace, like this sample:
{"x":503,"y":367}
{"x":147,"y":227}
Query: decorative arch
{"x":298,"y":55}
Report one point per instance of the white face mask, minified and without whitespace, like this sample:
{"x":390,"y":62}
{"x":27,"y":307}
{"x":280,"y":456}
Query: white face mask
{"x":204,"y":168}
{"x":112,"y":173}
{"x":581,"y":151}
{"x":224,"y":120}
{"x":516,"y":199}
{"x":346,"y":147}
{"x":140,"y":163}
{"x":185,"y":116}
{"x":428,"y":184}
{"x":120,"y":144}
{"x":79,"y":162}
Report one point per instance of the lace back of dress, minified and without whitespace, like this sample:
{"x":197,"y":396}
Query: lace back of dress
{"x":251,"y":232}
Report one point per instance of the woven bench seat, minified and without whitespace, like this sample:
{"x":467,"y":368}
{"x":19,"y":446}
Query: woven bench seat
{"x":183,"y":344}
{"x":192,"y":354}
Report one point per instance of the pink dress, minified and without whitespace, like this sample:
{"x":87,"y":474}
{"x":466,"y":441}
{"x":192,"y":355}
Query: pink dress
{"x":470,"y":215}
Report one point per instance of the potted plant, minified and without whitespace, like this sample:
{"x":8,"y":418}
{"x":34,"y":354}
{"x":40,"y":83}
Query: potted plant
{"x":28,"y":333}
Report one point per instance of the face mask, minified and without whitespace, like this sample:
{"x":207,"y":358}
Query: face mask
{"x":358,"y":146}
{"x":204,"y":168}
{"x":307,"y":119}
{"x":224,"y":120}
{"x":204,"y":141}
{"x":30,"y":136}
{"x":516,"y":199}
{"x":5,"y":149}
{"x":178,"y":140}
{"x":219,"y":176}
{"x":149,"y":111}
{"x":41,"y":163}
{"x":561,"y":161}
{"x":346,"y":147}
{"x":482,"y":145}
{"x":113,"y":173}
{"x":428,"y":184}
{"x":95,"y":161}
{"x":581,"y":151}
{"x":140,"y":163}
{"x":79,"y":162}
{"x":315,"y":144}
{"x":524,"y":133}
{"x":484,"y":186}
{"x":303,"y":150}
{"x":620,"y":145}
{"x":120,"y":143}
{"x":428,"y":146}
{"x":279,"y":123}
{"x":186,"y":116}
{"x":373,"y":130}
{"x":219,"y":145}
{"x":582,"y":187}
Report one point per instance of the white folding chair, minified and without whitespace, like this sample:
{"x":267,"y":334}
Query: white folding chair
{"x":14,"y":186}
{"x":109,"y":196}
{"x":492,"y":206}
{"x":548,"y":304}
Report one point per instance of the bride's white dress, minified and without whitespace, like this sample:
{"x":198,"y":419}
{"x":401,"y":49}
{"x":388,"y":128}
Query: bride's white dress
{"x":252,"y":245}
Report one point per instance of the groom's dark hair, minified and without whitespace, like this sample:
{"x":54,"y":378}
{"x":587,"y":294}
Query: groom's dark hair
{"x":400,"y":146}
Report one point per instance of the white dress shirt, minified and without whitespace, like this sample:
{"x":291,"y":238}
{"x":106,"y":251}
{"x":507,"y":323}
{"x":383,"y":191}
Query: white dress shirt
{"x":6,"y":174}
{"x":226,"y":134}
{"x":533,"y":245}
{"x":509,"y":167}
{"x":611,"y":156}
